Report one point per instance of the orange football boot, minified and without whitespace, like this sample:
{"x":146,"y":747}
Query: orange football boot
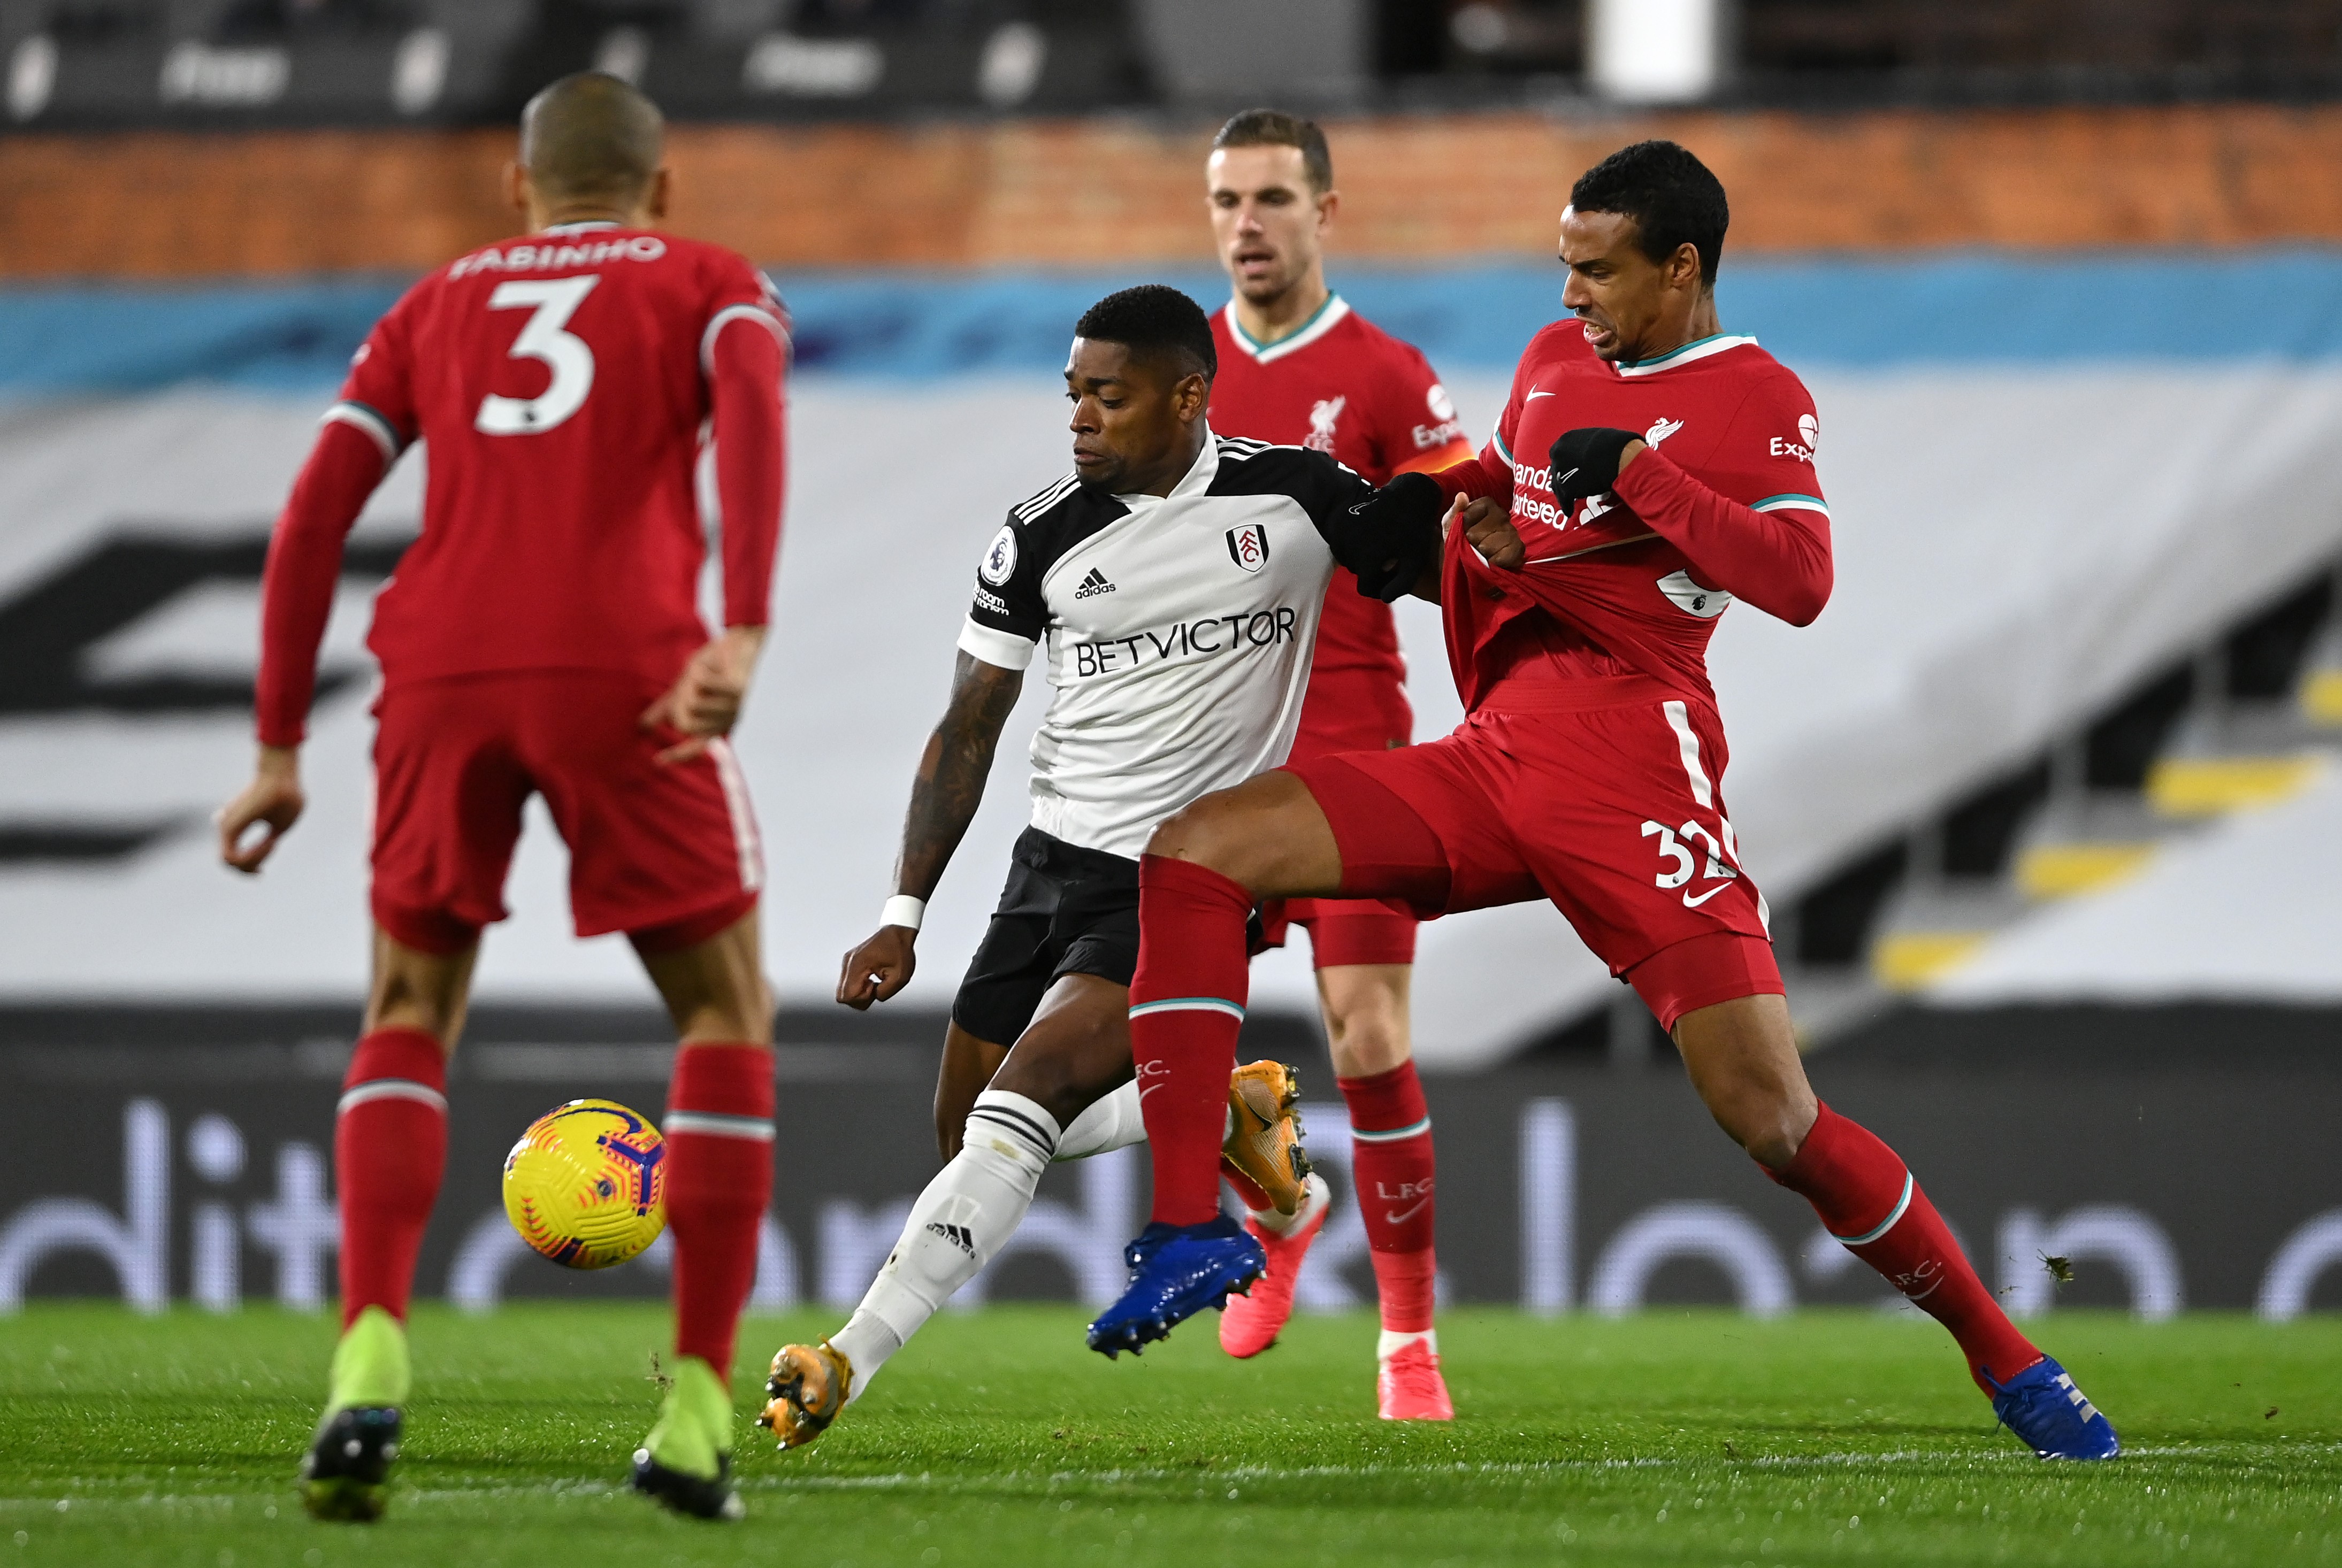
{"x":808,"y":1388}
{"x":1264,"y":1139}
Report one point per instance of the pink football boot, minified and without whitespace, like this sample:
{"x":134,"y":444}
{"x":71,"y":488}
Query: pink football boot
{"x":1409,"y":1387}
{"x":1250,"y":1323}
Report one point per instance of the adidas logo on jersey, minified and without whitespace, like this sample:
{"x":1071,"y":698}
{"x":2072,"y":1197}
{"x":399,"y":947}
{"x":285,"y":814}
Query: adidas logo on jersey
{"x":957,"y":1235}
{"x":1093,"y":585}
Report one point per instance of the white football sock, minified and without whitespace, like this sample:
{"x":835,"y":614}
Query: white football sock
{"x":1315,"y":1196}
{"x":1113,"y":1123}
{"x":1391,"y":1344}
{"x":974,"y":1204}
{"x":866,"y":1342}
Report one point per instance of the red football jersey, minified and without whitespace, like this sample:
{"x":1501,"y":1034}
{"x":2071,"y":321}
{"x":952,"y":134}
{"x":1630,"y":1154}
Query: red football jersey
{"x":561,"y":381}
{"x":1724,"y":504}
{"x":1343,"y":387}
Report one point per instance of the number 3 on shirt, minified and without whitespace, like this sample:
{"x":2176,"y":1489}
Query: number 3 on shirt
{"x":545,"y":338}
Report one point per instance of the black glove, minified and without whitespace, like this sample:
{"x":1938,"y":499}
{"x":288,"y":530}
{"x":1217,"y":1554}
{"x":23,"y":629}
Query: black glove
{"x":1586,"y":462}
{"x":1391,"y":537}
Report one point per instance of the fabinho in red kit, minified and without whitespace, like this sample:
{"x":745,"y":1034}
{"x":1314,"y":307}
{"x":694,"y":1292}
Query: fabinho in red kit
{"x":1299,"y":367}
{"x":543,"y":637}
{"x":1651,"y":469}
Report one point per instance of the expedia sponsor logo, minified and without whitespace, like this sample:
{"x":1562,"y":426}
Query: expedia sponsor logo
{"x":1427,"y":436}
{"x":1188,"y":640}
{"x":1809,"y":436}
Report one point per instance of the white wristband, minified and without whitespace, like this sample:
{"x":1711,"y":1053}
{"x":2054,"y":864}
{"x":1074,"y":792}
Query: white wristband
{"x":904,"y":911}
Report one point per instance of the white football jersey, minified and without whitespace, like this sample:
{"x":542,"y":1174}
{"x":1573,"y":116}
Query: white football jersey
{"x":1179,"y":631}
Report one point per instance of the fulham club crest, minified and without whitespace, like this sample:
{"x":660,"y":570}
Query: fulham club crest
{"x":1249,"y":546}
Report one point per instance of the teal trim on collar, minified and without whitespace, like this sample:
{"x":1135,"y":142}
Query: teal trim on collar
{"x":1257,"y":348}
{"x":1698,"y":348}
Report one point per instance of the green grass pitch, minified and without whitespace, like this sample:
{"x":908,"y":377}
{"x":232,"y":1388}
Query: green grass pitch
{"x":1679,"y":1437}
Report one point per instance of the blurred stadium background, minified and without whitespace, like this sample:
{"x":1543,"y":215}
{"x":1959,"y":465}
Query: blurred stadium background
{"x":2048,"y":802}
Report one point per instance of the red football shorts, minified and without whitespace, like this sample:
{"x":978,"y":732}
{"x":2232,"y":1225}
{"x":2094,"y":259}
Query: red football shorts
{"x":1612,"y":812}
{"x":1346,"y":711}
{"x":667,"y":854}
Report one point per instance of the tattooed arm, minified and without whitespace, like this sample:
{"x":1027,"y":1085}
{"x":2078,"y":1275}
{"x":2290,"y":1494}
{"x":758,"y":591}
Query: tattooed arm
{"x":944,"y":798}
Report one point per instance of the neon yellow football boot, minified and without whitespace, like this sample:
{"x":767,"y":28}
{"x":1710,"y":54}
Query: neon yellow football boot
{"x":346,"y":1476}
{"x":686,"y":1464}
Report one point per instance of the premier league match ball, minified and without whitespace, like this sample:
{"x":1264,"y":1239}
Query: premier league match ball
{"x":586,"y":1185}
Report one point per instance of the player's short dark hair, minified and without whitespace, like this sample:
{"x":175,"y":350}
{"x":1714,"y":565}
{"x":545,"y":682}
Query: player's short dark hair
{"x":1275,"y":128}
{"x":592,"y":135}
{"x":1154,"y":319}
{"x":1670,"y":194}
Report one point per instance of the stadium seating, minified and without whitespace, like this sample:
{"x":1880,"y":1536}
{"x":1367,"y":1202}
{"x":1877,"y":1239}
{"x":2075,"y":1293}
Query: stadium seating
{"x":104,"y":64}
{"x":91,"y":64}
{"x":2212,"y":881}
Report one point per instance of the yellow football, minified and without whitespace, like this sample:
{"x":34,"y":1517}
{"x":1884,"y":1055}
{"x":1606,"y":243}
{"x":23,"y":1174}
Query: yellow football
{"x":586,"y":1185}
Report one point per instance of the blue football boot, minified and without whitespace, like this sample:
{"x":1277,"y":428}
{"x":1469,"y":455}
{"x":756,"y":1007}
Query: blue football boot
{"x":2052,"y":1416}
{"x":1175,"y":1271}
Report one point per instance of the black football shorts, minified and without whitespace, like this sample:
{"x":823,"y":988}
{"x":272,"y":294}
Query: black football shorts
{"x":1064,"y":910}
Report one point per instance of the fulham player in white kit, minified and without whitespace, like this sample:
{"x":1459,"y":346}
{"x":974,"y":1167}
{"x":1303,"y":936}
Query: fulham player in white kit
{"x":1171,"y":585}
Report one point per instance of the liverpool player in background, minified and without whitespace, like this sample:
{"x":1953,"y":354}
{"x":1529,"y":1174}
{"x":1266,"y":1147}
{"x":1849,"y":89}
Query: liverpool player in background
{"x":542,"y":637}
{"x":1589,"y":768}
{"x":1299,"y":366}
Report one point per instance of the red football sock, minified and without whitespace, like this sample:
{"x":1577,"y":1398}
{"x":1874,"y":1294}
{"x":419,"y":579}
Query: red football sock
{"x":1390,"y":1166}
{"x":1186,"y":1003}
{"x":390,"y":1146}
{"x":1867,"y":1200}
{"x":719,"y":1178}
{"x":1407,"y":1283}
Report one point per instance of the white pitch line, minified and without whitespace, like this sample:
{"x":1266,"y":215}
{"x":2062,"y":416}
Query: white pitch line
{"x":1484,"y":1468}
{"x":1240,"y":1472}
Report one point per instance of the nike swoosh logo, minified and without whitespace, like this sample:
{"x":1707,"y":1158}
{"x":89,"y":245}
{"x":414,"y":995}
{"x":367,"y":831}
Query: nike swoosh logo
{"x":1689,"y":902}
{"x":1148,"y":1089}
{"x":1562,"y":479}
{"x":1401,"y":1218}
{"x":1533,"y":396}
